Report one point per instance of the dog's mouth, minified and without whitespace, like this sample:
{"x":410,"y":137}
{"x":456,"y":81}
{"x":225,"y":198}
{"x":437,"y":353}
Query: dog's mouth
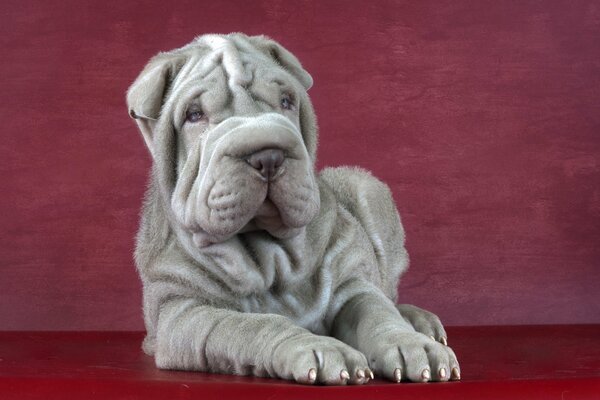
{"x":267,"y":214}
{"x":267,"y":218}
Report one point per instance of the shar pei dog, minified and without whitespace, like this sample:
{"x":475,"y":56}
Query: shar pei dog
{"x":252,"y":263}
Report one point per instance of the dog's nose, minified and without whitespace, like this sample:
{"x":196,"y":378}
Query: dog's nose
{"x":266,"y":161}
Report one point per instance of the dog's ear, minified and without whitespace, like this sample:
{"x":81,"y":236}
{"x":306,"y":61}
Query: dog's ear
{"x":283,"y":57}
{"x":146,"y":95}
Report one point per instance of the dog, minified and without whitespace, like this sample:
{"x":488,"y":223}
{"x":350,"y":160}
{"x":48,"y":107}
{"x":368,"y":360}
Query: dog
{"x":252,"y":263}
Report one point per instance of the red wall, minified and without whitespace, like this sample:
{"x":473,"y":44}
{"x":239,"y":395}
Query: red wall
{"x":483,"y":117}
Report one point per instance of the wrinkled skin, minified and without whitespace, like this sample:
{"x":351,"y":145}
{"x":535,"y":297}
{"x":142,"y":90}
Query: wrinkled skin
{"x":230,"y":195}
{"x":252,"y":263}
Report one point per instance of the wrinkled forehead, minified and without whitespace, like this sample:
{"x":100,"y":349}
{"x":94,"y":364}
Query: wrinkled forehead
{"x":235,"y":58}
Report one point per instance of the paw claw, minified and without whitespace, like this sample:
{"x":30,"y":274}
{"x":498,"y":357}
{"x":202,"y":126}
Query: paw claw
{"x":455,"y":374}
{"x":312,"y":375}
{"x":369,"y":373}
{"x":442,"y":373}
{"x":360,"y":374}
{"x":344,"y":375}
{"x":444,"y":341}
{"x":398,"y":375}
{"x":426,"y":375}
{"x":432,"y":338}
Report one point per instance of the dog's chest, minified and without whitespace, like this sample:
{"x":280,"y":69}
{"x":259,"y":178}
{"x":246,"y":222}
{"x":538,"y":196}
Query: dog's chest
{"x":306,"y":303}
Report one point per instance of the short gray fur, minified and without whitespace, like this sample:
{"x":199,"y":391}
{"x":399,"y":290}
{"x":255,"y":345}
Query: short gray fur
{"x":293,"y":277}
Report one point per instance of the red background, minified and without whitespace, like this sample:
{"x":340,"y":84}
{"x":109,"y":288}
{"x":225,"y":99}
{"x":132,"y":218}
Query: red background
{"x":482,"y":116}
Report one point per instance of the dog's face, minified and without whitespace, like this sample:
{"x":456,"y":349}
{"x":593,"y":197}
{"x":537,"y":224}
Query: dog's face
{"x":233,"y":136}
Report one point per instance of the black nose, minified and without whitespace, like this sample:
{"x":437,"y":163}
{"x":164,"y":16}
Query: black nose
{"x":266,"y":161}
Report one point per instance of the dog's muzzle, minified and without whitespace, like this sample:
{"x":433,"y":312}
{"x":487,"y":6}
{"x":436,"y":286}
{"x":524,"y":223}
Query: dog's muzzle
{"x":242,"y":164}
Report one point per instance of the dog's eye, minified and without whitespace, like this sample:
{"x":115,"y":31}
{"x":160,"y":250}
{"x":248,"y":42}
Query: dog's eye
{"x":287,"y":103}
{"x":193,"y":116}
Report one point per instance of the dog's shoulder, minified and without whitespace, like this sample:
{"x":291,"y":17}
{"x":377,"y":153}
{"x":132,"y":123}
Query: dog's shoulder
{"x":362,"y":194}
{"x":371,"y":203}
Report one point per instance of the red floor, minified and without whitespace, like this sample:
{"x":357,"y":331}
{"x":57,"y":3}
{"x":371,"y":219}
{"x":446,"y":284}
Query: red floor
{"x":533,"y":362}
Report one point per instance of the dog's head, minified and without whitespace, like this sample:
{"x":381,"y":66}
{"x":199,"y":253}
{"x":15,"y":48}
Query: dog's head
{"x":233,"y":137}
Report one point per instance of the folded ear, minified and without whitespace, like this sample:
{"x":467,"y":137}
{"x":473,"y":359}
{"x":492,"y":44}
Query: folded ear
{"x":283,"y":57}
{"x":146,"y":95}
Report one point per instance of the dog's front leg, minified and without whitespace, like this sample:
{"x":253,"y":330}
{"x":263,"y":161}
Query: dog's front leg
{"x":370,"y":322}
{"x":192,"y":336}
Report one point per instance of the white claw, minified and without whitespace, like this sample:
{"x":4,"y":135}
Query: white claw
{"x":442,"y":373}
{"x":312,"y":375}
{"x":444,"y":341}
{"x":398,"y":375}
{"x":426,"y":374}
{"x":360,"y":374}
{"x":344,"y":375}
{"x":369,"y":373}
{"x":455,"y":374}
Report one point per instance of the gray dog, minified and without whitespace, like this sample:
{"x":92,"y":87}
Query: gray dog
{"x":251,"y":262}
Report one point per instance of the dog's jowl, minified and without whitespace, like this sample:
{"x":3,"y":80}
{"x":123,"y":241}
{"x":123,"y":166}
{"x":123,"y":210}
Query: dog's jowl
{"x":253,"y":263}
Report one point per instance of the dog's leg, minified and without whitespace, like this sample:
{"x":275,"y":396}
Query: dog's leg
{"x":424,"y":322}
{"x":197,"y":337}
{"x":370,"y":322}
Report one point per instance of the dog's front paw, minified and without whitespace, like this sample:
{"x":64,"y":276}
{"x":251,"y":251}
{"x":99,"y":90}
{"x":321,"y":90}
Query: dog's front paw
{"x":424,"y":322}
{"x":413,"y":356}
{"x":314,"y":359}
